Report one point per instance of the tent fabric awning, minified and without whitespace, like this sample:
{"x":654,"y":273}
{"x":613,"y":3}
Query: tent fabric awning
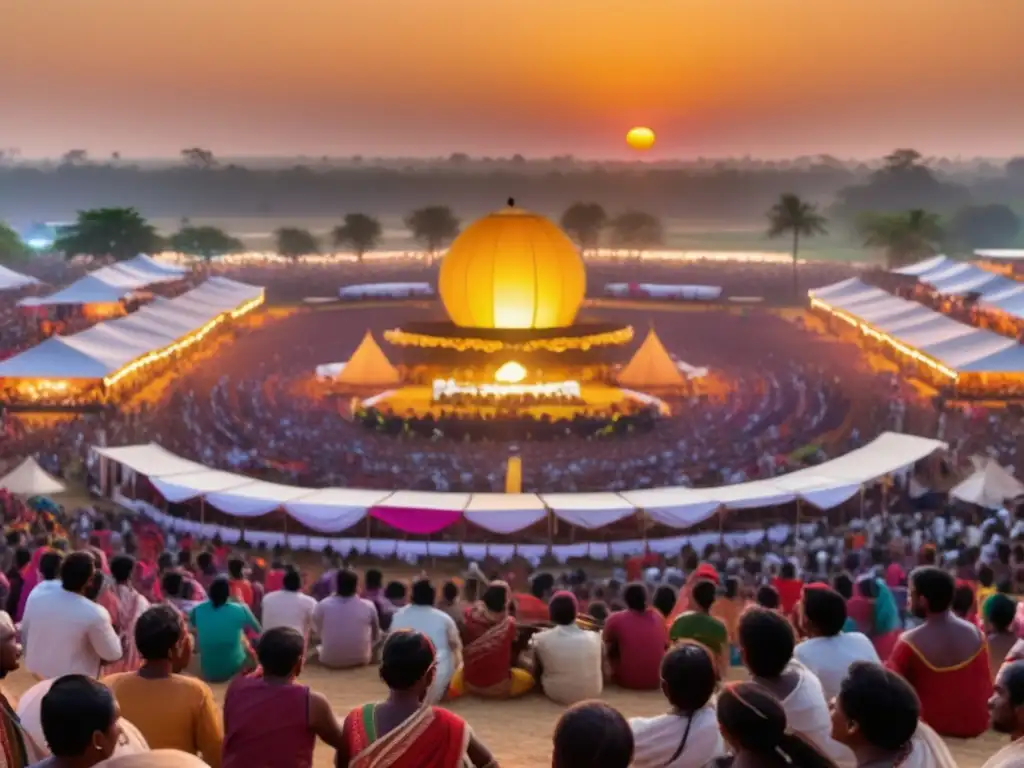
{"x":110,"y":346}
{"x":12,"y":281}
{"x":335,"y":509}
{"x":930,"y":265}
{"x":30,"y":479}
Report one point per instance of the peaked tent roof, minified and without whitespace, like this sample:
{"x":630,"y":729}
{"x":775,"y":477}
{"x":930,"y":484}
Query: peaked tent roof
{"x":651,"y":367}
{"x":369,"y":366}
{"x":11,"y":280}
{"x":990,"y":486}
{"x":29,"y":479}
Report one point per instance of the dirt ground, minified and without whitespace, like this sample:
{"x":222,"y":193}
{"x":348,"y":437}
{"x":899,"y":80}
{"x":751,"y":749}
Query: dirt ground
{"x":518,"y":732}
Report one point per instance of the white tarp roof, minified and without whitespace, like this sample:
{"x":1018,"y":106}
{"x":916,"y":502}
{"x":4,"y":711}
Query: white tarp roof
{"x":1008,"y":360}
{"x":990,"y":486}
{"x":108,"y":285}
{"x":964,"y":349}
{"x":336,"y":509}
{"x":930,"y":265}
{"x":29,"y":479}
{"x":11,"y":280}
{"x":109,"y":346}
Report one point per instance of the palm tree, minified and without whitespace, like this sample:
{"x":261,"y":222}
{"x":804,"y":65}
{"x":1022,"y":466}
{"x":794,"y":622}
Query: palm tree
{"x":293,"y":242}
{"x":121,"y":233}
{"x":792,"y":215}
{"x":905,"y":237}
{"x":360,"y":232}
{"x":584,"y":222}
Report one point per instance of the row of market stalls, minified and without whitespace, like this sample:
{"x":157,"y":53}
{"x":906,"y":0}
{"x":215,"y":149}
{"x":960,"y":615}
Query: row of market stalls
{"x":101,"y":292}
{"x":82,"y":368}
{"x":969,"y":360}
{"x":327,"y":516}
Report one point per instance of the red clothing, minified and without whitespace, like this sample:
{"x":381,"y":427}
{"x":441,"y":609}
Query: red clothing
{"x":530,"y":609}
{"x":641,"y":640}
{"x":964,"y":714}
{"x":267,"y":726}
{"x":487,"y":651}
{"x":789,"y":591}
{"x":275,"y":580}
{"x":241,"y":590}
{"x":894,"y":575}
{"x":432,"y":737}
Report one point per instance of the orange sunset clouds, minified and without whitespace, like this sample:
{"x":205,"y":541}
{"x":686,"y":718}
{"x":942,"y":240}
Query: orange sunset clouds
{"x":420,"y":77}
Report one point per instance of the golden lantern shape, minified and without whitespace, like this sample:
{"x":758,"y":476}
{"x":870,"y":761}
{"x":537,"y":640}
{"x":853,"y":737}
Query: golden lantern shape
{"x":640,"y":138}
{"x":512,"y":269}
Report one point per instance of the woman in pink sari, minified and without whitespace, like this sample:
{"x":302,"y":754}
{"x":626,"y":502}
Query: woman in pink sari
{"x":127,"y":606}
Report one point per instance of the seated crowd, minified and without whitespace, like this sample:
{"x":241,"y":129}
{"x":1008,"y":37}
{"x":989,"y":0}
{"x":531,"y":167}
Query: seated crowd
{"x":110,"y":641}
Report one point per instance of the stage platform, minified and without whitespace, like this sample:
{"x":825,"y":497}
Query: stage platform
{"x":597,"y":398}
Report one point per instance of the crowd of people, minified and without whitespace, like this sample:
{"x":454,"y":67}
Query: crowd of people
{"x":860,"y":647}
{"x":513,"y":424}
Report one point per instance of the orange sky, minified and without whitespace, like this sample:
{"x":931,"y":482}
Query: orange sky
{"x":424,"y":77}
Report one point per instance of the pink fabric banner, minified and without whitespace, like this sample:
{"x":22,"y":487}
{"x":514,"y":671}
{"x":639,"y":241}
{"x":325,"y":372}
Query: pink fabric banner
{"x":420,"y":521}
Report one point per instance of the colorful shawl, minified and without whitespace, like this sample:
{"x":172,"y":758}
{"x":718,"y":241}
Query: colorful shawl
{"x":487,"y":652}
{"x":432,"y":736}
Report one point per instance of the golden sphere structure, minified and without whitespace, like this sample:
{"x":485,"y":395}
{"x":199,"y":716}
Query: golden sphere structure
{"x":640,"y":138}
{"x":512,"y":269}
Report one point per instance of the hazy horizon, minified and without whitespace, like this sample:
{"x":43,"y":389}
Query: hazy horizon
{"x":396,"y":79}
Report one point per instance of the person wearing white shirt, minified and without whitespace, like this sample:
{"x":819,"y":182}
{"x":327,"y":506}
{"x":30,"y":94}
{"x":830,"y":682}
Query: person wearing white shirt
{"x":829,"y":652}
{"x":49,"y":569}
{"x":288,"y":607}
{"x":421,"y":616}
{"x":569,"y":659}
{"x":64,"y":632}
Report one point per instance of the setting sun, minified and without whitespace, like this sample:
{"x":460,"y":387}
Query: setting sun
{"x":640,"y":138}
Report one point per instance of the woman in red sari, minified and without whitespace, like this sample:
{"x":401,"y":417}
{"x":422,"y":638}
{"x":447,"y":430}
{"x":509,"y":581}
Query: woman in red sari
{"x":945,"y":659}
{"x":401,"y":732}
{"x":490,"y":646}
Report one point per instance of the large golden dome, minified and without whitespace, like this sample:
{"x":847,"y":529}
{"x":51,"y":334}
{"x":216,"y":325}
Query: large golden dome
{"x":512,"y":269}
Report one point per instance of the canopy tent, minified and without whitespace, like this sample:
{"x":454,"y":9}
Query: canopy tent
{"x":368,"y":366}
{"x":954,"y":347}
{"x":379,"y":290}
{"x":651,"y":367}
{"x":931,"y":265}
{"x":29,"y":479}
{"x":106,"y":348}
{"x":12,"y":281}
{"x":108,"y":285}
{"x":336,"y":509}
{"x":991,"y":486}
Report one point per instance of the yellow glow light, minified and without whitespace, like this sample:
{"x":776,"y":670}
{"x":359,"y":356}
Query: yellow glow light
{"x":510,"y":373}
{"x":401,"y":338}
{"x":512,"y":269}
{"x":640,"y":138}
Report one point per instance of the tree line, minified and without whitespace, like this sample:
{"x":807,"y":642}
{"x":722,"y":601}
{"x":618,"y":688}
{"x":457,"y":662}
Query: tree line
{"x":728,"y":191}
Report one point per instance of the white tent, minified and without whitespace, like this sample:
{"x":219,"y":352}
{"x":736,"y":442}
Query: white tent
{"x":12,"y":281}
{"x":928,"y":266}
{"x":107,"y":347}
{"x":990,"y":486}
{"x":337,"y":509}
{"x":29,"y":479}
